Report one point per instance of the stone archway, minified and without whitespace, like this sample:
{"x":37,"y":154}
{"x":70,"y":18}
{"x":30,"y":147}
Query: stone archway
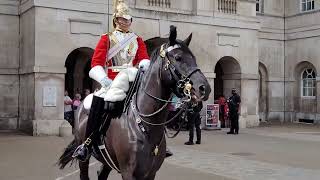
{"x":228,"y":75}
{"x":77,"y":76}
{"x":263,"y":93}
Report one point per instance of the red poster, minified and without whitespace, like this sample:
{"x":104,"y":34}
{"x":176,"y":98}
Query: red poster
{"x":212,"y":115}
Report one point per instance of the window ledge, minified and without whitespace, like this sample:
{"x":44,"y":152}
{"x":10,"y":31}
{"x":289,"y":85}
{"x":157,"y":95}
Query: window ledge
{"x":308,"y":97}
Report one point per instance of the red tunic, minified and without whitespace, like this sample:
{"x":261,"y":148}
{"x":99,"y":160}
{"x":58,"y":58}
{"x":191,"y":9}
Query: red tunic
{"x":101,"y":51}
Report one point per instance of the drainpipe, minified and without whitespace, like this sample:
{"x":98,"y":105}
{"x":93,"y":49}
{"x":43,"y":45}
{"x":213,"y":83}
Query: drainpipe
{"x":108,"y":23}
{"x":284,"y":61}
{"x":19,"y":66}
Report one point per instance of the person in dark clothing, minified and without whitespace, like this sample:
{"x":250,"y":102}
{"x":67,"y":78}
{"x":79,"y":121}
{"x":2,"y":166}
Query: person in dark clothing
{"x":194,"y":120}
{"x":234,"y":111}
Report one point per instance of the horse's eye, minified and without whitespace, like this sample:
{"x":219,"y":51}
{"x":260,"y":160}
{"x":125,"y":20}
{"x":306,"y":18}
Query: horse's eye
{"x":177,"y":58}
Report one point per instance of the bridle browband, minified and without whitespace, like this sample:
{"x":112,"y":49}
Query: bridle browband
{"x":183,"y":85}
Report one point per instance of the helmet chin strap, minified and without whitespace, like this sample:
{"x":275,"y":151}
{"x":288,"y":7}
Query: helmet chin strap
{"x":121,"y":30}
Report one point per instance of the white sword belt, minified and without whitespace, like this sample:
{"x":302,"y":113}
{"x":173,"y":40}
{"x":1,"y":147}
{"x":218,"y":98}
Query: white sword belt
{"x":118,"y":68}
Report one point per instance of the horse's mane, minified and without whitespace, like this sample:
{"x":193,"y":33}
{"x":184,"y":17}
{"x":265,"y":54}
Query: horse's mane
{"x":154,"y":55}
{"x":156,"y":52}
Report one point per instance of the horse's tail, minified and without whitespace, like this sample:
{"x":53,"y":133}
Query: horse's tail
{"x":66,"y":157}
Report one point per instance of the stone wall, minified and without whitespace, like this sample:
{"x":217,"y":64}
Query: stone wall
{"x":302,"y":41}
{"x":9,"y":64}
{"x":33,"y":62}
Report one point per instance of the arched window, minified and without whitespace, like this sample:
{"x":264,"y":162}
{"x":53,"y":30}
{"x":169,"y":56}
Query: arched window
{"x":308,"y":83}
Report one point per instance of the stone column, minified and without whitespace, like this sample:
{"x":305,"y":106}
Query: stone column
{"x":204,"y":7}
{"x":249,"y":101}
{"x":49,"y":102}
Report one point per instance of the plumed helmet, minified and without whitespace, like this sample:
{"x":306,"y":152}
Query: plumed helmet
{"x":120,"y":10}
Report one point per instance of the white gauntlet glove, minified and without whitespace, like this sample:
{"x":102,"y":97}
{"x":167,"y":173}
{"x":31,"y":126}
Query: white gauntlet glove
{"x":144,"y":65}
{"x":99,"y":74}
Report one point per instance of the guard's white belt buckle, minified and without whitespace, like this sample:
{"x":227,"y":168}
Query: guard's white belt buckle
{"x":116,"y":70}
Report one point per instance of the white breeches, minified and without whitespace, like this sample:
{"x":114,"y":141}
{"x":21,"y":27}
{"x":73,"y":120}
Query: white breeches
{"x":117,"y":91}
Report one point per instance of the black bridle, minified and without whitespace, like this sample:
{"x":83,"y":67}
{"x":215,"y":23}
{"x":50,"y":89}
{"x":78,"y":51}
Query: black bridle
{"x":181,"y":79}
{"x":183,"y":86}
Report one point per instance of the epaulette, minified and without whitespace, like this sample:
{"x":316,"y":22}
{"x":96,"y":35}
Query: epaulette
{"x":108,"y":33}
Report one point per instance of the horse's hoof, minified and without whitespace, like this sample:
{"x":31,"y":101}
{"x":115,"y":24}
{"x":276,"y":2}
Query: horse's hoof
{"x":168,"y":153}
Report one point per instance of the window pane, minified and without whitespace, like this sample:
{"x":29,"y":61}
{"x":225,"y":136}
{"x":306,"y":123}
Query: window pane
{"x":309,"y":6}
{"x":309,"y":92}
{"x":310,"y":83}
{"x":304,"y":83}
{"x":304,"y":93}
{"x":304,"y":75}
{"x":303,"y":7}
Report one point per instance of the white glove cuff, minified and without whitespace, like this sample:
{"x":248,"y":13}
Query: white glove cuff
{"x":99,"y":74}
{"x":144,"y":64}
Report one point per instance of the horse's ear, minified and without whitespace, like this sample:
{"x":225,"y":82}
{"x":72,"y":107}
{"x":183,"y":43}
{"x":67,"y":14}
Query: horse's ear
{"x":188,"y":40}
{"x":173,"y":35}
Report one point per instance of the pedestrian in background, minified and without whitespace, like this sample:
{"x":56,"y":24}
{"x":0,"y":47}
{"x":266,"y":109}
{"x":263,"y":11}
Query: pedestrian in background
{"x":173,"y":108}
{"x":223,"y":110}
{"x":68,"y":113}
{"x":194,"y":120}
{"x":86,"y":93}
{"x":234,"y":111}
{"x":76,"y":101}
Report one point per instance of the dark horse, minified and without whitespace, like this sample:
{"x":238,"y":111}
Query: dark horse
{"x":139,"y":154}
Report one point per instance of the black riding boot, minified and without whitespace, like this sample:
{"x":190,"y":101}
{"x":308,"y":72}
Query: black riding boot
{"x":95,"y":119}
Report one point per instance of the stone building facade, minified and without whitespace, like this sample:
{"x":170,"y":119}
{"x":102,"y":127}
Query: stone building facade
{"x":264,"y":48}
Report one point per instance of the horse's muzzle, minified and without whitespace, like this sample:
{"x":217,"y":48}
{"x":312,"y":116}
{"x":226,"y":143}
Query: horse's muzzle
{"x":201,"y":93}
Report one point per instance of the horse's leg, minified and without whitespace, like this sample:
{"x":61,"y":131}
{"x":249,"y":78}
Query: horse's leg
{"x":84,"y":170}
{"x":128,"y":175}
{"x":104,"y":172}
{"x":150,"y":177}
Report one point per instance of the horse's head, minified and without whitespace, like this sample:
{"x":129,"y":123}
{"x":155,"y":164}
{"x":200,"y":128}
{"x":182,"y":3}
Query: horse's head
{"x":180,"y":71}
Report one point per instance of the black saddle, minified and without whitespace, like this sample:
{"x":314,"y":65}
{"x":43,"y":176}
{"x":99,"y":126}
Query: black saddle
{"x":115,"y":109}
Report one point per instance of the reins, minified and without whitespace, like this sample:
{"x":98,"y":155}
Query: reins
{"x":183,"y":82}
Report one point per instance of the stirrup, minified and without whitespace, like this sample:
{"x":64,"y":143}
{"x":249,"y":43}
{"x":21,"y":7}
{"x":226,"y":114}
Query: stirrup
{"x":81,"y":153}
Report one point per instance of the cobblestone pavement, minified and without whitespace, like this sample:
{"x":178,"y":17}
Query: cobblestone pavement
{"x":236,"y":167}
{"x":267,"y":153}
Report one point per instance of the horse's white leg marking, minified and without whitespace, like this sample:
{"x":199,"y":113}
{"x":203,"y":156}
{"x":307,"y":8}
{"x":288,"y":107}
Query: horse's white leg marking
{"x":75,"y":172}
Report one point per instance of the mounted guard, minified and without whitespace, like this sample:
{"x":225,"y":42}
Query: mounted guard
{"x":114,"y":64}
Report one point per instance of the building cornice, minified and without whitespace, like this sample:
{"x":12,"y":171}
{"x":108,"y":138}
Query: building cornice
{"x":81,"y":6}
{"x":9,"y":7}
